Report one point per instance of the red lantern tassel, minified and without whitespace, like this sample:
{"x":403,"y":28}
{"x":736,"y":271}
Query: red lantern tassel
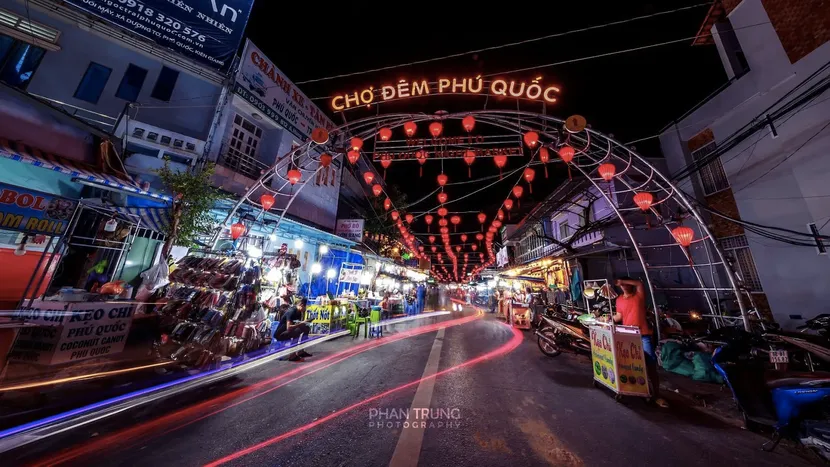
{"x":569,"y":173}
{"x":500,"y":174}
{"x":546,"y":171}
{"x":689,"y":254}
{"x":530,"y":185}
{"x":648,"y":223}
{"x":469,"y":172}
{"x":384,"y":174}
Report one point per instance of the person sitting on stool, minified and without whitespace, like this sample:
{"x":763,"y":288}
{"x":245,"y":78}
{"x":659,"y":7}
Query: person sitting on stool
{"x":291,"y":326}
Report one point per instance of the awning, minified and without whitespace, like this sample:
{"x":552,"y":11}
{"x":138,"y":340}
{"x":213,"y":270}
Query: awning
{"x":27,"y":155}
{"x":156,"y":219}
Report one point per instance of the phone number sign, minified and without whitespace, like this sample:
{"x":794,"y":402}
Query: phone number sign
{"x":208,"y":32}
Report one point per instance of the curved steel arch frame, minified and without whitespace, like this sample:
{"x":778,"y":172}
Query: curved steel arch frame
{"x":633,"y":174}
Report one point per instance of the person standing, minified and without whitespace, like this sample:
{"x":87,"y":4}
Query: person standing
{"x":291,"y":326}
{"x":631,"y":311}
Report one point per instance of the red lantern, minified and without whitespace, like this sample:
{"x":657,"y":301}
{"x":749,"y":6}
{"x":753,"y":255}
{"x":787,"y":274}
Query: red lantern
{"x":444,"y":231}
{"x":531,"y":139}
{"x":643,"y":200}
{"x":457,"y":248}
{"x":518,"y":191}
{"x":353,"y":157}
{"x":508,"y":204}
{"x":566,"y":153}
{"x":385,"y":134}
{"x":409,"y":128}
{"x":501,"y":161}
{"x":455,"y":221}
{"x":325,"y":159}
{"x":442,"y":211}
{"x":683,"y":235}
{"x":237,"y":230}
{"x":432,"y":239}
{"x":500,"y":215}
{"x":442,"y":197}
{"x":385,"y":162}
{"x":435,"y":129}
{"x":294,"y":176}
{"x":442,"y":179}
{"x":387,"y":204}
{"x":474,"y":247}
{"x":368,"y":177}
{"x":395,"y":215}
{"x":442,"y":222}
{"x":529,"y":175}
{"x":377,"y":189}
{"x":479,"y":237}
{"x":428,"y":219}
{"x":469,"y":158}
{"x":409,"y":218}
{"x":544,"y":158}
{"x":266,"y":201}
{"x":421,"y":156}
{"x":607,"y":171}
{"x":497,"y":223}
{"x":434,"y":248}
{"x":421,"y":248}
{"x":356,"y":143}
{"x":468,"y":123}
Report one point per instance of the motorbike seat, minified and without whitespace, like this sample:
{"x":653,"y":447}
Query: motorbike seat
{"x":783,"y":379}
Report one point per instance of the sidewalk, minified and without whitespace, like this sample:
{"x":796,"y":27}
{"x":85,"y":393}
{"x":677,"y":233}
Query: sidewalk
{"x":712,"y":399}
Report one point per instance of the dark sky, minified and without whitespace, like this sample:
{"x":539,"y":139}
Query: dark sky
{"x":631,"y":95}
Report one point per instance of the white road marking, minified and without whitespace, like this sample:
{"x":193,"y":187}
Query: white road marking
{"x":408,"y":449}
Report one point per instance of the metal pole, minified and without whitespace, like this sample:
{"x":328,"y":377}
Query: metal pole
{"x":42,"y":275}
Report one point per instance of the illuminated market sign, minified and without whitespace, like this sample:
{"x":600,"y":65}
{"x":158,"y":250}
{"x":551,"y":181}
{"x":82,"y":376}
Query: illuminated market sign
{"x":534,"y":90}
{"x":32,"y":211}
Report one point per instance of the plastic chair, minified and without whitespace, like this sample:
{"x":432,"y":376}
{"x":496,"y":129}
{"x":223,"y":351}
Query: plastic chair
{"x":375,"y":330}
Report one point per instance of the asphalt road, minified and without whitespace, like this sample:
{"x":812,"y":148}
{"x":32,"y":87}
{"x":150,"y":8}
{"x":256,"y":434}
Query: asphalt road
{"x":494,"y":399}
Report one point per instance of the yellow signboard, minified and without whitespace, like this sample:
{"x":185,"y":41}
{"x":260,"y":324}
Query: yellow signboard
{"x":631,"y":364}
{"x":602,"y":356}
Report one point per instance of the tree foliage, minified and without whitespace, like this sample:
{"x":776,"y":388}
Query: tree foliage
{"x":193,"y":198}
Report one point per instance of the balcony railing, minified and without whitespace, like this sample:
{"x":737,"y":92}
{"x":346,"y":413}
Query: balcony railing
{"x":588,"y":238}
{"x":242,"y":164}
{"x":102,"y":121}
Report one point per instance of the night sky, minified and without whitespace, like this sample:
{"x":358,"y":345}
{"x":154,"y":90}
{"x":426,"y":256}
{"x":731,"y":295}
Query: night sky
{"x":631,"y":95}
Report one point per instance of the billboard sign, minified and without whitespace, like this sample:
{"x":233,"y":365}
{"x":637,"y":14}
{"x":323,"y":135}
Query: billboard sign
{"x":207,"y":31}
{"x":350,"y":229}
{"x":34,"y":212}
{"x":266,"y":88}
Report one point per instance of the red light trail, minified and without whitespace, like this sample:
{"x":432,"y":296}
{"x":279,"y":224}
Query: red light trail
{"x":137,"y":434}
{"x":504,"y":349}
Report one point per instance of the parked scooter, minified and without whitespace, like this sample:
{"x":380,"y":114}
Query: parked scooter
{"x":795,"y":405}
{"x":569,"y":331}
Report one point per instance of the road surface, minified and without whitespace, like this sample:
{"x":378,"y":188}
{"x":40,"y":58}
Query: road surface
{"x":493,"y":400}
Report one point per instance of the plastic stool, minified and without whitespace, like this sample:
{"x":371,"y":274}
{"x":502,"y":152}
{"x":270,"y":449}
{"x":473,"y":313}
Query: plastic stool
{"x":374,"y":327}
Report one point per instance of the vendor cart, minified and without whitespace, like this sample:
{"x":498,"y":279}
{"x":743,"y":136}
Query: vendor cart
{"x":520,"y":316}
{"x":617,"y":359}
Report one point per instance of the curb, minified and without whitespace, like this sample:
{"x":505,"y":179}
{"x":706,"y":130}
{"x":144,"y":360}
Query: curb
{"x":693,"y":404}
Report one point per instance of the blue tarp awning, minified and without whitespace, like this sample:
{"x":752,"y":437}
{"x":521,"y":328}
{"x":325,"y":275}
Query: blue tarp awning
{"x":32,"y":156}
{"x":156,"y":219}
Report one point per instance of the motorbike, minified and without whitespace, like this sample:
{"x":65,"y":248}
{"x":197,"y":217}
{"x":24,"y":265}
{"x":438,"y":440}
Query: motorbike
{"x":795,"y":405}
{"x":566,"y":329}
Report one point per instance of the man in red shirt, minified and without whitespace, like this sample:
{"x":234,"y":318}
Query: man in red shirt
{"x":631,"y":311}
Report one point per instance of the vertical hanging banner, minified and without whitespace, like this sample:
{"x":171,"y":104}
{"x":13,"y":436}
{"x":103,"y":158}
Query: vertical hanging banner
{"x":266,"y":88}
{"x":207,"y":31}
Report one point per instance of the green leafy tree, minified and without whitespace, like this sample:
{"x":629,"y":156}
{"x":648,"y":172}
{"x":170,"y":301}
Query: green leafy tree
{"x":193,"y":198}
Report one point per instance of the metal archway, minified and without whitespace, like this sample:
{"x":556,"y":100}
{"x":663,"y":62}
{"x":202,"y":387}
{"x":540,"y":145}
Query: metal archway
{"x":633,"y":174}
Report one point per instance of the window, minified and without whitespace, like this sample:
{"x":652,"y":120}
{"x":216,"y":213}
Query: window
{"x":93,"y":82}
{"x":733,"y":56}
{"x":131,"y":83}
{"x":165,"y":84}
{"x":18,"y":61}
{"x":564,"y":230}
{"x":712,"y":176}
{"x":242,"y":148}
{"x":18,"y":27}
{"x":738,"y":247}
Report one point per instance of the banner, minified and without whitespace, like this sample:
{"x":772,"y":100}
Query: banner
{"x":34,"y":212}
{"x":351,"y":273}
{"x":266,"y":88}
{"x":207,"y":31}
{"x":71,"y":332}
{"x":631,"y":364}
{"x":350,"y":229}
{"x":602,"y":356}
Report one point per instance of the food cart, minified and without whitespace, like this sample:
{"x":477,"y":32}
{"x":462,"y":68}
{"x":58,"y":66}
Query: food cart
{"x":617,"y":359}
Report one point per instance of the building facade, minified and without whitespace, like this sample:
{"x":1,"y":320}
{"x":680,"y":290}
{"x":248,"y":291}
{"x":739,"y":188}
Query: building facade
{"x":755,"y":150}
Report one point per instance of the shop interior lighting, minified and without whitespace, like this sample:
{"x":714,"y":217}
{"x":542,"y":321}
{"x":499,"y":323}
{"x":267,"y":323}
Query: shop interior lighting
{"x":324,"y":249}
{"x":316,"y":268}
{"x":272,"y":237}
{"x":492,"y":283}
{"x":254,"y":252}
{"x":298,"y":243}
{"x":331,"y":273}
{"x":274,"y":275}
